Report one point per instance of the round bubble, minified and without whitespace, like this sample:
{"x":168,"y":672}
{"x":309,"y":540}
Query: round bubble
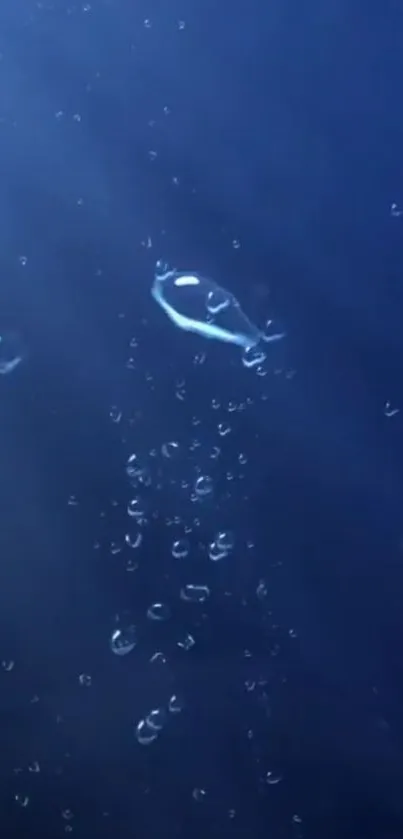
{"x":137,"y":471}
{"x":272,"y":778}
{"x":123,"y":641}
{"x":204,"y":486}
{"x":225,"y":540}
{"x":156,"y":718}
{"x":180,"y":549}
{"x":175,"y":704}
{"x":215,"y":552}
{"x":135,"y":509}
{"x":145,"y":733}
{"x":170,"y":450}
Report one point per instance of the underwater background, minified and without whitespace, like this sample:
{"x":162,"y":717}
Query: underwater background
{"x":201,"y":558}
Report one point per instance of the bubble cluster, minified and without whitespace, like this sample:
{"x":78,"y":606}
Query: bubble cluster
{"x":149,"y":727}
{"x":184,"y":525}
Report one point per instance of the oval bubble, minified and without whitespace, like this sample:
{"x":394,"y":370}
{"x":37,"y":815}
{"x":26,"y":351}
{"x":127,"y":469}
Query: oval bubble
{"x":197,"y":304}
{"x":159,"y":612}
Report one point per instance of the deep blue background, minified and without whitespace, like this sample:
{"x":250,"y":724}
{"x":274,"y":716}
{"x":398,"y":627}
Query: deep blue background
{"x":284,"y":131}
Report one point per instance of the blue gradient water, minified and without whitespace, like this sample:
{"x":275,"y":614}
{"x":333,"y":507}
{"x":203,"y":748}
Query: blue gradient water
{"x":155,"y":679}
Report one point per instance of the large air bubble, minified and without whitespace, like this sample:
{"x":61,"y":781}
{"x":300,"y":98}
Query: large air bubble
{"x":197,"y":304}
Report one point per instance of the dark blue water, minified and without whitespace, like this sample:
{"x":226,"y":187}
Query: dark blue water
{"x":259,"y":144}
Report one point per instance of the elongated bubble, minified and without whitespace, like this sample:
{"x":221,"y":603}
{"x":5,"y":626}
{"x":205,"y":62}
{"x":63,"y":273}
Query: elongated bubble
{"x":197,"y":304}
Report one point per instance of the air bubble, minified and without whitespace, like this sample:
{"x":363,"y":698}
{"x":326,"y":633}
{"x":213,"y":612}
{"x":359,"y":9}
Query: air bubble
{"x":123,"y":641}
{"x":180,"y":549}
{"x":204,"y":486}
{"x":170,"y":450}
{"x":135,"y":509}
{"x":215,"y":552}
{"x":145,"y":733}
{"x":156,"y":719}
{"x":175,"y":704}
{"x":159,"y":612}
{"x":194,"y":593}
{"x":137,"y":472}
{"x":254,"y":356}
{"x":187,"y":643}
{"x":197,"y":304}
{"x":261,"y":590}
{"x":225,"y":540}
